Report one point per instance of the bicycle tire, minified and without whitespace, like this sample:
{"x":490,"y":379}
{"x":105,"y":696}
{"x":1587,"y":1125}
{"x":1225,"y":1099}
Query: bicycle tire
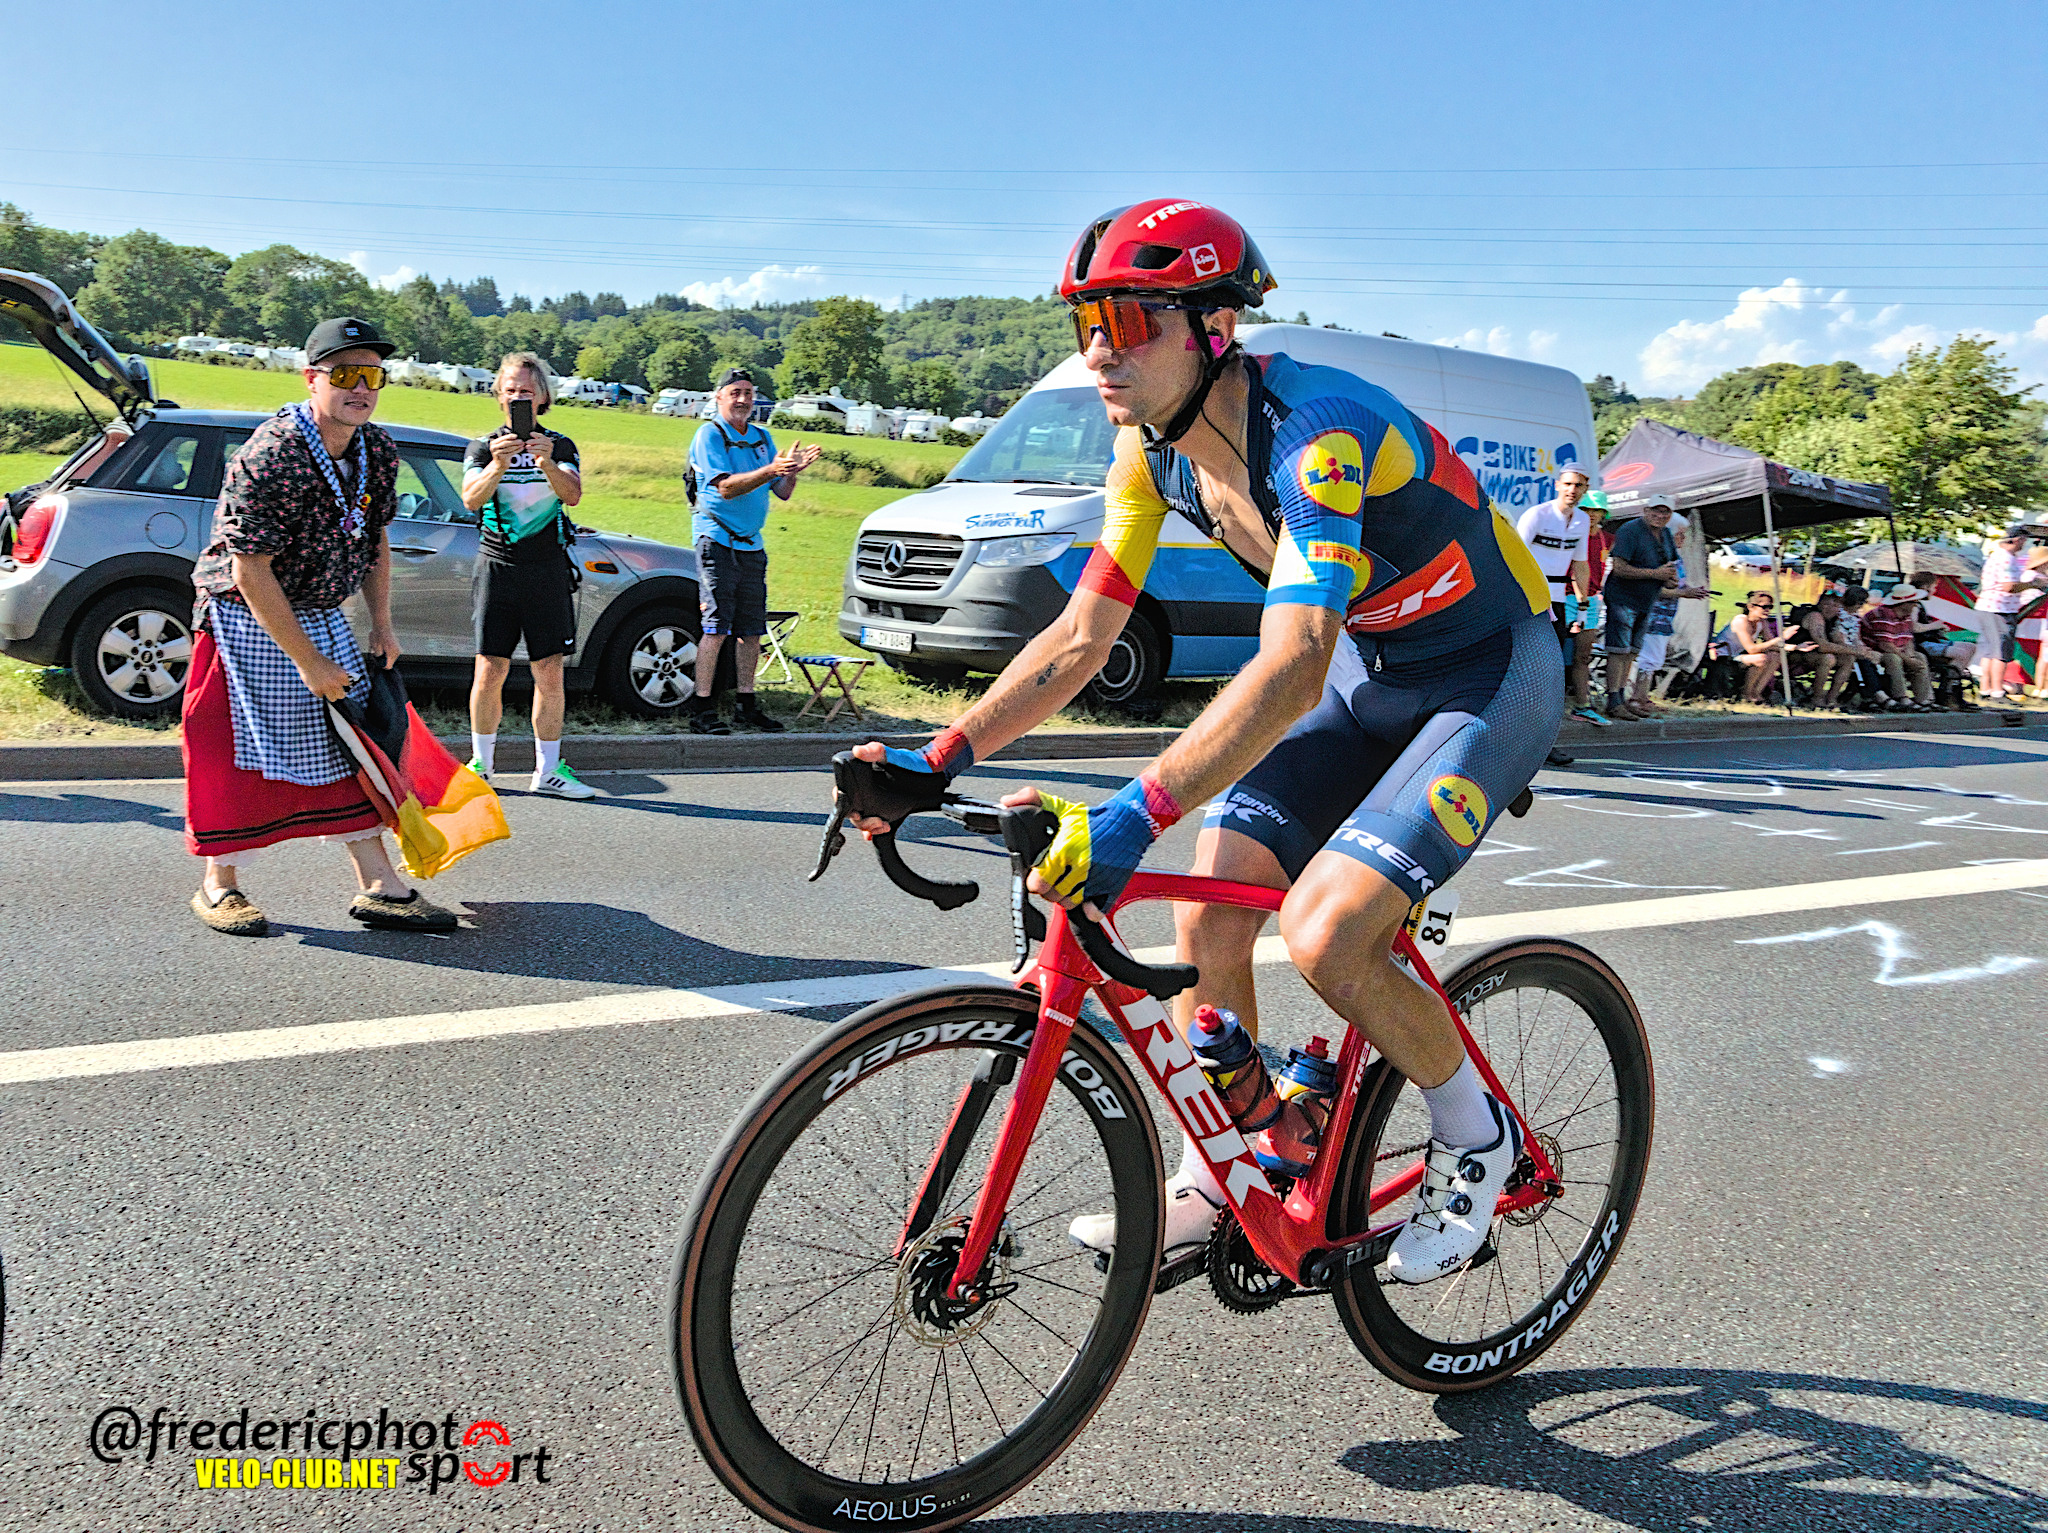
{"x":830,"y":1107}
{"x":1405,"y":1331}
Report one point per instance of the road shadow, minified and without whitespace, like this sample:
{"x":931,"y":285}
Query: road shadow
{"x":87,"y":809}
{"x":585,"y":943}
{"x":1680,"y":1450}
{"x":1193,"y":1522}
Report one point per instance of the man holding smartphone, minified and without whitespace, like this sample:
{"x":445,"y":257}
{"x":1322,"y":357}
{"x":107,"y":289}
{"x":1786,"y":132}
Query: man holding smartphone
{"x":522,"y":478}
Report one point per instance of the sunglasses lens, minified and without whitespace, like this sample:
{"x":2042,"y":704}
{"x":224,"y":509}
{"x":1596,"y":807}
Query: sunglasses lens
{"x":1124,"y":323}
{"x":351,"y":376}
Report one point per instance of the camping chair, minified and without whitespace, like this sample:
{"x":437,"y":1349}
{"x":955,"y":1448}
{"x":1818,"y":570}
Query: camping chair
{"x":781,"y":626}
{"x":845,"y":670}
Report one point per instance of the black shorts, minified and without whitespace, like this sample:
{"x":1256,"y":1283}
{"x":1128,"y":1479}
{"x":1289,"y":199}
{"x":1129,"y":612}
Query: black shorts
{"x":532,"y":601}
{"x":732,"y":589}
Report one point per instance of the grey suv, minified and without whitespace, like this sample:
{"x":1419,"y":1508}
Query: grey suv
{"x":95,"y":569}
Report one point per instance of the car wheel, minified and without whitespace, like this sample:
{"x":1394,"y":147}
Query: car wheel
{"x":650,"y":668}
{"x":132,"y":652}
{"x":1136,"y":666}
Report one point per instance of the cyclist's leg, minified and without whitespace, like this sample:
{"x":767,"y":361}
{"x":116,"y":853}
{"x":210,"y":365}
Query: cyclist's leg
{"x":1481,"y":743}
{"x":1264,"y":829}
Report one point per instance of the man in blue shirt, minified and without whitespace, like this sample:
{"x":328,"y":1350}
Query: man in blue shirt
{"x":736,"y":466}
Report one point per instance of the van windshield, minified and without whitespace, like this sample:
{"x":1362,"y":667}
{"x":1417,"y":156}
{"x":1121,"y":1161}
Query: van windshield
{"x":1050,"y":436}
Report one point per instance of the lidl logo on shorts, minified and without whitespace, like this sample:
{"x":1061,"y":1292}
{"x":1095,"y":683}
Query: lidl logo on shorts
{"x":1459,"y":805}
{"x":1332,"y":472}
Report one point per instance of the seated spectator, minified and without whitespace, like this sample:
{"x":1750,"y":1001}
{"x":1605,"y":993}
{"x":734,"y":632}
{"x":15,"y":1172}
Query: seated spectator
{"x":1887,"y":628}
{"x":1834,"y":660}
{"x":1754,"y":641}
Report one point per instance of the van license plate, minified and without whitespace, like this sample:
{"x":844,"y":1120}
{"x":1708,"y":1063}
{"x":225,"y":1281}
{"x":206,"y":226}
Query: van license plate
{"x":886,"y":638}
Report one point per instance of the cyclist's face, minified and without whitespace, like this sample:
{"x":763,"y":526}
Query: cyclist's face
{"x":1144,"y":385}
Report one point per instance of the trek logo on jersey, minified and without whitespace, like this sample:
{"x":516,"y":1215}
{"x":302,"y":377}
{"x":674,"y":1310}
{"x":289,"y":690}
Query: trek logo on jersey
{"x":1445,"y":579}
{"x":1460,"y":807}
{"x":1332,"y":472}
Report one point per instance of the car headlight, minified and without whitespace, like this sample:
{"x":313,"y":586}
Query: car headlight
{"x":1015,"y":553}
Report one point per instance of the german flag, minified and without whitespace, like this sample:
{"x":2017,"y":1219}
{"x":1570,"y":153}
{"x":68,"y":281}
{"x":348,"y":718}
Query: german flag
{"x":439,"y":810}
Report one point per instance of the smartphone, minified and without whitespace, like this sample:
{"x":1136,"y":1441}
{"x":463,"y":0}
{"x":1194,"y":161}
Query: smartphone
{"x":522,"y":418}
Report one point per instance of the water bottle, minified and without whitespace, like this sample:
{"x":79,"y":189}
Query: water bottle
{"x":1230,"y":1059}
{"x":1289,"y":1146}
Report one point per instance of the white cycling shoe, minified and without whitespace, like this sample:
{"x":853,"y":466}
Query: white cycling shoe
{"x":1454,"y":1205}
{"x":1190,"y":1216}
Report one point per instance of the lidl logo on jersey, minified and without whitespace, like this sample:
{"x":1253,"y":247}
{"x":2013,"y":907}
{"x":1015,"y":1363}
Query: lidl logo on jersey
{"x":1514,"y":473}
{"x":1459,"y":805}
{"x":1332,"y":472}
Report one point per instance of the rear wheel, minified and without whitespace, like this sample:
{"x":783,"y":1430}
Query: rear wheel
{"x":132,"y":652}
{"x":826,"y":1375}
{"x":1566,"y":1041}
{"x":650,"y":666}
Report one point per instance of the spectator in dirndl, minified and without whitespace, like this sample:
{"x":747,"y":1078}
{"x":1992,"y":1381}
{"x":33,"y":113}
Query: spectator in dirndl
{"x":737,"y":468}
{"x":300,"y":528}
{"x":524,"y":586}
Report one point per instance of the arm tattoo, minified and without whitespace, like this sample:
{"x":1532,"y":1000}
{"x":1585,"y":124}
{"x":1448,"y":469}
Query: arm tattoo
{"x":1045,"y":675}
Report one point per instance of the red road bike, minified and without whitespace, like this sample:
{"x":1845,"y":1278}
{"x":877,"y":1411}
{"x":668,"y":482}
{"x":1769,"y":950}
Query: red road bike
{"x":876,"y":1314}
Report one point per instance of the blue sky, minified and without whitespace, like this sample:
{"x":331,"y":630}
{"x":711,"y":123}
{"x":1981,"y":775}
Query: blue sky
{"x":1654,"y":191}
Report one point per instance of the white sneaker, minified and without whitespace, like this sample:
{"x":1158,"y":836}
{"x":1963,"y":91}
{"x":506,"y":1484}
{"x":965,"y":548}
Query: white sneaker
{"x":562,"y":783}
{"x":1454,"y":1205}
{"x":1190,"y":1216}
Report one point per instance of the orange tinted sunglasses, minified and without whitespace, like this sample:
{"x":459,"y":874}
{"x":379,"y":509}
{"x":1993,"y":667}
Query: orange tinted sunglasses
{"x":1124,"y":322}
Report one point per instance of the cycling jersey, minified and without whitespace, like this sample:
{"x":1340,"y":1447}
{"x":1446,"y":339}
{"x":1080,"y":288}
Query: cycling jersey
{"x":1371,"y":512}
{"x":1556,"y":540}
{"x":1443,"y":708}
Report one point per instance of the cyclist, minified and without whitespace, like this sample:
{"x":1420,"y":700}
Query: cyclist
{"x":1405,"y":690}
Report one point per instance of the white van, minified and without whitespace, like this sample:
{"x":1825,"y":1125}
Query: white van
{"x":960,"y":576}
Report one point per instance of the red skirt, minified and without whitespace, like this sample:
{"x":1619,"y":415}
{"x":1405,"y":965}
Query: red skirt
{"x":228,"y":810}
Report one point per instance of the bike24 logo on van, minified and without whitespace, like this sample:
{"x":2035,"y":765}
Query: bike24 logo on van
{"x":1514,"y":474}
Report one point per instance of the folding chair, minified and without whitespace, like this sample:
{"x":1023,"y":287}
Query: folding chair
{"x":846,"y":670}
{"x":781,"y":625}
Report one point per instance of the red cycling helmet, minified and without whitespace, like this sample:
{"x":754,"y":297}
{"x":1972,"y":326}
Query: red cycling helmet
{"x":1169,"y":246}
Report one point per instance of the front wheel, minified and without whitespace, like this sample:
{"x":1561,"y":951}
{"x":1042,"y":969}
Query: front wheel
{"x":826,"y":1374}
{"x":650,"y":666}
{"x":1566,"y":1041}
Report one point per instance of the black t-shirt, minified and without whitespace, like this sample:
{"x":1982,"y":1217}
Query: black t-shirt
{"x":1645,"y":547}
{"x":523,"y":521}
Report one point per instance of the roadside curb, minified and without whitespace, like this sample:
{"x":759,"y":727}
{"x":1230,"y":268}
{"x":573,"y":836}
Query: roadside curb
{"x":30,"y":762}
{"x":142,"y":759}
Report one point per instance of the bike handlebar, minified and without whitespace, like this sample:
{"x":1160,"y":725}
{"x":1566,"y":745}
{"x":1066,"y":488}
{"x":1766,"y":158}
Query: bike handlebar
{"x":872,"y":790}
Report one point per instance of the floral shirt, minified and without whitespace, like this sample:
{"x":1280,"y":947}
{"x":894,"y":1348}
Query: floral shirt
{"x":276,"y":501}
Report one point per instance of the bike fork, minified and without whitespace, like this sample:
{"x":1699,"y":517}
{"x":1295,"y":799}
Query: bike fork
{"x":968,"y":1114}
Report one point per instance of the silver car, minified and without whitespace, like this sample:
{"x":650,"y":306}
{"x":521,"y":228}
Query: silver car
{"x":96,"y":566}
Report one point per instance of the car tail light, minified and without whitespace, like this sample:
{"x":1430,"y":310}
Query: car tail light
{"x":32,"y":534}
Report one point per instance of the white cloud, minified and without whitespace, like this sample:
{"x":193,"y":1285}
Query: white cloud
{"x":391,"y":283}
{"x":1500,"y":341}
{"x":775,"y":284}
{"x":1798,"y":322}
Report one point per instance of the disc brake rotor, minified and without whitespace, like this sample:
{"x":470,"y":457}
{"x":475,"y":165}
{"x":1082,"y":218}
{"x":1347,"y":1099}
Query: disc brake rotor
{"x":927,"y":1314}
{"x":1524,"y":1217}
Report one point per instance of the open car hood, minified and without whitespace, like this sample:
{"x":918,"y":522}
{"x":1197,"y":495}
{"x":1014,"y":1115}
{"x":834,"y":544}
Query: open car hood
{"x":39,"y":306}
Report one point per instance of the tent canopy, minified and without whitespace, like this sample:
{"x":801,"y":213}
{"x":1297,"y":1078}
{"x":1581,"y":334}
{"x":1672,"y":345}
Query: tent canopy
{"x":1721,"y":486}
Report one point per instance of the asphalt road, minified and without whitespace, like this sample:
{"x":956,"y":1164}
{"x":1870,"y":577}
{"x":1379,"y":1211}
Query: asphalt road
{"x":1829,"y":1316}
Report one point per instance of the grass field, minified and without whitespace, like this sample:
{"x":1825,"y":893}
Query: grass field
{"x":632,"y":475}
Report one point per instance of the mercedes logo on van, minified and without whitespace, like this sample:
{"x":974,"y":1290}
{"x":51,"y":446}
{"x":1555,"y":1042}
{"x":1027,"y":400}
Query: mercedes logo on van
{"x":894,"y":558}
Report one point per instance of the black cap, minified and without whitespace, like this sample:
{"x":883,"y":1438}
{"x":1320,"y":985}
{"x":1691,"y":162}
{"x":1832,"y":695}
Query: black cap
{"x":344,"y":334}
{"x":735,"y":375}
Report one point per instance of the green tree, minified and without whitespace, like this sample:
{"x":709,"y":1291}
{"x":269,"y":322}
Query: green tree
{"x":839,"y":346}
{"x":683,"y":362}
{"x":591,"y":362}
{"x":1954,"y":440}
{"x":930,"y":384}
{"x":279,"y":293}
{"x":144,"y":288}
{"x":65,"y":258}
{"x":424,"y":321}
{"x":1798,"y":401}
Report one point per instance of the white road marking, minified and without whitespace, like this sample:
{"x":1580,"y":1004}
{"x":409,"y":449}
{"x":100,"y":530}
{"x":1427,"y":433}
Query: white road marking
{"x":1903,"y":846}
{"x":1580,"y":875}
{"x":1782,"y":830}
{"x":1892,"y":951}
{"x":647,"y":1006}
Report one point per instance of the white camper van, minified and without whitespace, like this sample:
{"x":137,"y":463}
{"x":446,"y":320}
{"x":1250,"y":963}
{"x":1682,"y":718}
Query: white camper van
{"x":960,"y":576}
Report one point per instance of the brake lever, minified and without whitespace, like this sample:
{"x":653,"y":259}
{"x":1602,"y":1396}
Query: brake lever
{"x":835,"y":839}
{"x":1026,"y":833}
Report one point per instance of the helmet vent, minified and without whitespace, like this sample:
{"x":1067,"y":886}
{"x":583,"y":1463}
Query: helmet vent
{"x":1155,"y":257}
{"x":1085,"y":256}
